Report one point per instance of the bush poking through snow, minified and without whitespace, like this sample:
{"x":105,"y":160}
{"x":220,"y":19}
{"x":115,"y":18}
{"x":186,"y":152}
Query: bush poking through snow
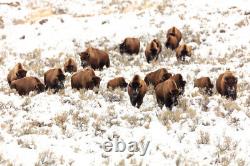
{"x":204,"y":138}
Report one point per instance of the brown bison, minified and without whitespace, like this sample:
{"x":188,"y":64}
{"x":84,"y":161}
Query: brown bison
{"x":167,"y":93}
{"x":157,"y":76}
{"x":26,"y":85}
{"x":130,"y":46}
{"x":54,"y":79}
{"x":173,"y":38}
{"x":95,"y":58}
{"x":204,"y":83}
{"x":85,"y":79}
{"x":137,"y":89}
{"x":16,"y":73}
{"x":172,"y":42}
{"x":153,"y":50}
{"x":182,"y":51}
{"x":174,"y":32}
{"x":70,"y":66}
{"x":226,"y":85}
{"x":179,"y":82}
{"x":117,"y":82}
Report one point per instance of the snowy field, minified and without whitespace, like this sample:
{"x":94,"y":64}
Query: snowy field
{"x":70,"y":127}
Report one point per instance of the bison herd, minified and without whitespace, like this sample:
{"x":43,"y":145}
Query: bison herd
{"x":168,"y":87}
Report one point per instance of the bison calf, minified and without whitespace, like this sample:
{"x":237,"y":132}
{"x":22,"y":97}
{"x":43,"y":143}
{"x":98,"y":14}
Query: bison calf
{"x":117,"y":82}
{"x":157,"y":76}
{"x":182,"y":51}
{"x":26,"y":85}
{"x":167,"y":93}
{"x":226,"y":85}
{"x":204,"y":83}
{"x":179,"y":82}
{"x":137,"y":89}
{"x":95,"y":58}
{"x":130,"y":46}
{"x":85,"y":79}
{"x":70,"y":66}
{"x":54,"y":79}
{"x":16,"y":73}
{"x":153,"y":50}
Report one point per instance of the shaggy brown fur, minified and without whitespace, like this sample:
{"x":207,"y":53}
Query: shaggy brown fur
{"x":175,"y":32}
{"x":136,"y":90}
{"x":167,"y":93}
{"x":179,"y":82}
{"x":157,"y":76}
{"x":26,"y":85}
{"x":172,"y":42}
{"x":153,"y":50}
{"x":16,"y":73}
{"x":85,"y":79}
{"x":95,"y":58}
{"x":204,"y":83}
{"x":117,"y":82}
{"x":54,"y":79}
{"x":70,"y":66}
{"x":226,"y":85}
{"x":130,"y":46}
{"x":182,"y":51}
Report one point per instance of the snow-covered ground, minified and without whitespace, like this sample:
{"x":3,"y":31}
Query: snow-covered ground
{"x":70,"y":127}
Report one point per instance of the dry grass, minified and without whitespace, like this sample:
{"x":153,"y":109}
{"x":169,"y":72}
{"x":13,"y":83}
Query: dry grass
{"x":204,"y":138}
{"x":226,"y":151}
{"x":169,"y":117}
{"x":80,"y":120}
{"x":60,"y":120}
{"x":4,"y":161}
{"x":46,"y":158}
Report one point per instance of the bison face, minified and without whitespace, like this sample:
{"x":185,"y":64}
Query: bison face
{"x":154,"y":51}
{"x":135,"y":89}
{"x":84,"y":58}
{"x":124,"y":84}
{"x":122,"y":47}
{"x":174,"y":96}
{"x":70,"y":68}
{"x":21,"y":73}
{"x":165,"y":77}
{"x":230,"y":83}
{"x":40,"y":87}
{"x":60,"y":79}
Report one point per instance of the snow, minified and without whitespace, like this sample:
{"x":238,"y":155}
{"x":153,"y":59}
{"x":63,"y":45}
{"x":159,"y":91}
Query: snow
{"x":70,"y":127}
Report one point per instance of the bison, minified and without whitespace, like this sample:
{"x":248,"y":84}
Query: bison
{"x":167,"y":93}
{"x":153,"y":50}
{"x":95,"y":58}
{"x":130,"y":46}
{"x":27,"y":84}
{"x":226,"y":85}
{"x":157,"y":76}
{"x":54,"y":79}
{"x":179,"y":82}
{"x":16,"y":73}
{"x":137,"y":89}
{"x":85,"y":79}
{"x":70,"y":66}
{"x":182,"y":51}
{"x":117,"y":82}
{"x":204,"y":83}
